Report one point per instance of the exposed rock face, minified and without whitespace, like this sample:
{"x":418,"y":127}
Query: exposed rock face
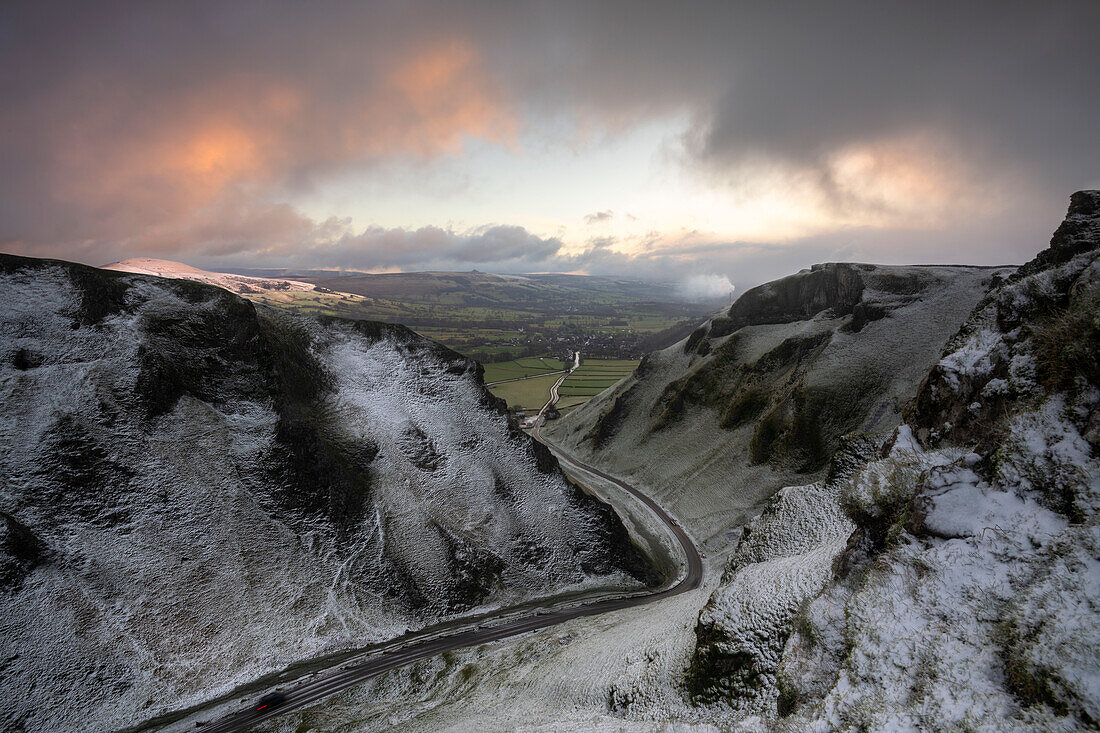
{"x":832,"y":286}
{"x":20,"y":552}
{"x":968,"y":594}
{"x":197,"y":491}
{"x":784,"y":557}
{"x":1078,"y":233}
{"x":796,"y":421}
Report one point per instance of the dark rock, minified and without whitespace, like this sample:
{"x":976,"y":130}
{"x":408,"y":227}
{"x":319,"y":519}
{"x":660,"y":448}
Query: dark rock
{"x":77,"y":475}
{"x":721,"y":671}
{"x":745,"y":407}
{"x":611,"y":533}
{"x":857,"y":554}
{"x":545,"y":461}
{"x":864,"y":313}
{"x":609,"y":423}
{"x":792,"y":352}
{"x":1057,"y":320}
{"x":833,"y":286}
{"x":420,"y":450}
{"x":722,"y":326}
{"x":24,"y":360}
{"x":694,"y":339}
{"x":475,"y":572}
{"x":214,"y":353}
{"x":1079,"y":232}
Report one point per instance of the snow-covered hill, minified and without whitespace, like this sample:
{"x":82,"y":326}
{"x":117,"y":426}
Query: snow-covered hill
{"x":759,"y":397}
{"x":952,"y":581}
{"x":197,"y":491}
{"x":240,"y":284}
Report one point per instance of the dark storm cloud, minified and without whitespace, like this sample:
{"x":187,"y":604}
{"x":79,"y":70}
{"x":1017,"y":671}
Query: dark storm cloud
{"x":176,"y":128}
{"x":1005,"y":82}
{"x":797,"y":79}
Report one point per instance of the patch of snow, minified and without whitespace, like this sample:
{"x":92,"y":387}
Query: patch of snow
{"x":989,"y":589}
{"x":974,"y":359}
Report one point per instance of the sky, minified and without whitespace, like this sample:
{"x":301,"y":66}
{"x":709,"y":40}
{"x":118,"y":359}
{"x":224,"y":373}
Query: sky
{"x":706,"y":143}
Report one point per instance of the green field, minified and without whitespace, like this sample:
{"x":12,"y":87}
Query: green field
{"x":519,"y":368}
{"x":566,"y":404}
{"x":594,"y":376}
{"x":526,"y":394}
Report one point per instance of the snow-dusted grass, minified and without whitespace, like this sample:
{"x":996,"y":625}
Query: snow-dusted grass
{"x":980,"y":609}
{"x":984,"y":614}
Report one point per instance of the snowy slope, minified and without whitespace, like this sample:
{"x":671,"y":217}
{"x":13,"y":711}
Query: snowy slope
{"x":714,"y":425}
{"x":197,"y":492}
{"x":240,"y":284}
{"x":968,"y":596}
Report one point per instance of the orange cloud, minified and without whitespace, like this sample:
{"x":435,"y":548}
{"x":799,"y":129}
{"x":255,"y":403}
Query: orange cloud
{"x":221,"y":153}
{"x":431,"y":102}
{"x":129,"y":164}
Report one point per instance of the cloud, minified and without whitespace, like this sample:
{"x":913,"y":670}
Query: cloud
{"x":153,"y":122}
{"x":705,"y":287}
{"x":502,"y":247}
{"x":880,"y":130}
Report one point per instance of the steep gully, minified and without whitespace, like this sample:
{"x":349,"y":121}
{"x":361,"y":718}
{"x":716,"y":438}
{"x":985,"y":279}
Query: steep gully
{"x":463,"y":632}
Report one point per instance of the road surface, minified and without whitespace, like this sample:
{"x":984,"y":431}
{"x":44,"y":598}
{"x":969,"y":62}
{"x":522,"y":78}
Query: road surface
{"x":554,"y":398}
{"x":487,"y":630}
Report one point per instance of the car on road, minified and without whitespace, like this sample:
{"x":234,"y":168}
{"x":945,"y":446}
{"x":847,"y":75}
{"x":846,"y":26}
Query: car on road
{"x":270,"y":700}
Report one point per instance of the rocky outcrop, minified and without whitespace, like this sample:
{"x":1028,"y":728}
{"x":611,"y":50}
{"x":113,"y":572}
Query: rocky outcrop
{"x":796,"y":419}
{"x":783,"y":558}
{"x":20,"y":552}
{"x":1040,"y":329}
{"x":1004,"y":522}
{"x":1078,"y":233}
{"x":717,"y":423}
{"x":832,"y":286}
{"x":308,"y":484}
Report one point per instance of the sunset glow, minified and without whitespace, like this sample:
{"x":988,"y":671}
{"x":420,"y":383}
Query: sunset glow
{"x":292,"y":138}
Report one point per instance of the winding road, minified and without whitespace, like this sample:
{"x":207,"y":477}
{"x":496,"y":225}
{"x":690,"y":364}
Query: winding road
{"x":501,"y":626}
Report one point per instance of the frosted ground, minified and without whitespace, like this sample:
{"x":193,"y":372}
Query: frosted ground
{"x":165,"y":550}
{"x":625,"y":671}
{"x":915,"y":647}
{"x":615,"y":672}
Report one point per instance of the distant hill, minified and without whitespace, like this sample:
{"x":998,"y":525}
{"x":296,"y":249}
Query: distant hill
{"x":488,"y":290}
{"x":480,"y":287}
{"x":487,"y":316}
{"x":240,"y":284}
